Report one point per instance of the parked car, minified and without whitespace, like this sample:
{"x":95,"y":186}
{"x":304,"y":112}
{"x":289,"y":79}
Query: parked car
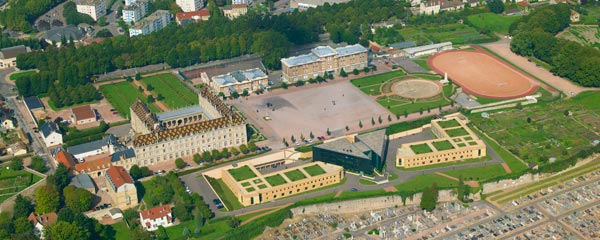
{"x":354,"y":190}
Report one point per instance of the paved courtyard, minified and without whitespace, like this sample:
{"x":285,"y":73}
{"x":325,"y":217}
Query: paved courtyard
{"x":311,"y":108}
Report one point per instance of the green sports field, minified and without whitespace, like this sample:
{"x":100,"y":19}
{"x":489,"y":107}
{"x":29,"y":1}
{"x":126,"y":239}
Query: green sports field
{"x":175,"y":93}
{"x":494,"y":22}
{"x":122,"y":95}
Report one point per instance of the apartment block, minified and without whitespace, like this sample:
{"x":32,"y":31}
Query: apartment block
{"x":156,"y":21}
{"x":135,"y":11}
{"x":190,"y":5}
{"x":93,"y":8}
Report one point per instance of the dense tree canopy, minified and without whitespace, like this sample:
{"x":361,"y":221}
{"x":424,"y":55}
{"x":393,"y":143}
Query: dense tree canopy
{"x":496,"y":6}
{"x":73,"y":17}
{"x":47,"y":199}
{"x":77,"y":199}
{"x":20,"y":14}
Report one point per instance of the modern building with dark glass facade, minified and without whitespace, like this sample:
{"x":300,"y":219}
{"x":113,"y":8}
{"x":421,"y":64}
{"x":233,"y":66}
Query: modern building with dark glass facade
{"x":362,"y":153}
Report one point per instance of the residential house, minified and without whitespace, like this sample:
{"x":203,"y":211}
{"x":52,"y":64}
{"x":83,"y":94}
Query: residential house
{"x":8,"y":56}
{"x":41,"y":221}
{"x":7,"y":124}
{"x":435,"y":6}
{"x":102,"y":146}
{"x":574,"y":16}
{"x":195,"y":16}
{"x":94,"y":168}
{"x":82,"y":115}
{"x":64,"y":157}
{"x":35,"y":107}
{"x":241,"y":2}
{"x":156,"y":21}
{"x":83,"y":181}
{"x":17,"y":149}
{"x":152,"y":218}
{"x":94,"y":8}
{"x":235,"y":10}
{"x":51,"y":134}
{"x":121,"y":187}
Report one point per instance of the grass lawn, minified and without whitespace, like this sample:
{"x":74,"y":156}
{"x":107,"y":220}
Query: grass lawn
{"x":457,"y":132}
{"x":242,"y":173}
{"x":448,"y":124}
{"x":455,"y":33}
{"x":478,"y":173}
{"x":307,"y":148}
{"x":122,"y":95}
{"x":421,"y":148}
{"x":245,"y":184}
{"x":366,"y":182}
{"x":251,"y":215}
{"x":427,"y":76}
{"x":401,"y":106}
{"x":447,"y":164}
{"x":12,"y":182}
{"x":262,"y":186}
{"x":121,"y":231}
{"x":226,"y":195}
{"x":14,"y":76}
{"x":56,"y":109}
{"x":404,"y":126}
{"x":276,"y":180}
{"x":423,"y":63}
{"x":442,"y":145}
{"x":295,"y":175}
{"x":494,"y":22}
{"x":376,"y":79}
{"x":420,"y":182}
{"x":212,"y":230}
{"x":314,"y":170}
{"x":176,"y":94}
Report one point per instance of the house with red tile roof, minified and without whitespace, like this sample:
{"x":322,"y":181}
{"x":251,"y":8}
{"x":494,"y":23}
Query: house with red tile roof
{"x":152,"y":218}
{"x":194,"y":16}
{"x":82,"y":115}
{"x":94,"y":168}
{"x":121,"y":187}
{"x":41,"y":221}
{"x":65,"y":158}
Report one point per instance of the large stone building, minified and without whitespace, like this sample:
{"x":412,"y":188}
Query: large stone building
{"x":156,"y":21}
{"x":214,"y":125}
{"x":363,"y":153}
{"x":121,"y":188}
{"x":94,"y":8}
{"x":261,"y":188}
{"x":323,"y":59}
{"x":237,"y":81}
{"x":455,"y":141}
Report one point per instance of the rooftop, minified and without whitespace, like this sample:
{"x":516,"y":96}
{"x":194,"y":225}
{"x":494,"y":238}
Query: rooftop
{"x":351,"y":49}
{"x":323,"y":51}
{"x":403,"y":45}
{"x":118,"y":176}
{"x":33,"y":103}
{"x":49,"y":128}
{"x":156,"y":212}
{"x":44,"y":219}
{"x":83,"y":112}
{"x":56,"y":34}
{"x":300,"y":60}
{"x":320,"y":2}
{"x":165,"y":116}
{"x":12,"y":52}
{"x":186,"y":15}
{"x":239,"y":76}
{"x":123,"y":154}
{"x":65,"y":158}
{"x":91,"y":146}
{"x":95,"y":165}
{"x":88,"y":2}
{"x":426,"y":47}
{"x":82,"y":181}
{"x":151,"y":18}
{"x":374,"y":141}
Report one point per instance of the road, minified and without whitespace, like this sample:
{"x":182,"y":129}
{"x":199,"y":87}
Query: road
{"x":23,"y":119}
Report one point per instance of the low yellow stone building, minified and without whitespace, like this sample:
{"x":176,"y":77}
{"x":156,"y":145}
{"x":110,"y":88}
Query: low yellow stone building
{"x":252,"y":187}
{"x":455,"y":141}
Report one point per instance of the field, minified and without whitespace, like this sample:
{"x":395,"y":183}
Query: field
{"x":584,"y":35}
{"x":12,"y":182}
{"x":14,"y":76}
{"x":422,"y":62}
{"x":421,"y":148}
{"x":400,"y":105}
{"x":314,"y":170}
{"x":494,"y":22}
{"x":371,"y":84}
{"x":175,"y":93}
{"x":226,"y":195}
{"x":242,"y":173}
{"x":478,"y":173}
{"x":590,"y":14}
{"x":455,"y":33}
{"x":122,"y":95}
{"x":275,"y":180}
{"x":295,"y":175}
{"x":551,"y":133}
{"x":442,"y":145}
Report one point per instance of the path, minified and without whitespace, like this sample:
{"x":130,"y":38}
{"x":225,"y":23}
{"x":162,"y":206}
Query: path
{"x":506,"y":168}
{"x":159,"y":104}
{"x":502,"y":48}
{"x":470,"y":183}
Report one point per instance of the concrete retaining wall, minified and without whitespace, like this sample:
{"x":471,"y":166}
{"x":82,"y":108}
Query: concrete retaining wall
{"x":409,"y":132}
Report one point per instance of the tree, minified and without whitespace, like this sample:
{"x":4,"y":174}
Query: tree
{"x":373,"y":68}
{"x":519,"y":106}
{"x":138,"y":76}
{"x":149,"y":87}
{"x":389,"y":118}
{"x":343,"y":73}
{"x":16,"y":164}
{"x":233,"y":222}
{"x":206,"y":157}
{"x":215,"y":154}
{"x":347,"y":128}
{"x":495,"y":6}
{"x":225,"y":153}
{"x":234,"y":151}
{"x":160,"y":97}
{"x":151,"y":99}
{"x":46,"y":199}
{"x":251,"y":146}
{"x":135,"y":172}
{"x":129,"y":79}
{"x":22,"y":225}
{"x":355,"y":71}
{"x":463,"y":191}
{"x":179,"y":163}
{"x":405,"y":114}
{"x":182,"y":212}
{"x":67,"y":231}
{"x":197,"y":158}
{"x":328,"y":132}
{"x":366,"y":69}
{"x":77,"y":199}
{"x":235,"y":95}
{"x":429,"y":198}
{"x":102,"y":21}
{"x":302,"y":137}
{"x":528,"y":120}
{"x":284,"y":85}
{"x":23,"y":207}
{"x":299,"y":83}
{"x":380,"y":120}
{"x":372,"y":121}
{"x":360,"y":125}
{"x":245,"y":93}
{"x":567,"y":113}
{"x":244,"y":148}
{"x":37,"y":164}
{"x":311,"y":135}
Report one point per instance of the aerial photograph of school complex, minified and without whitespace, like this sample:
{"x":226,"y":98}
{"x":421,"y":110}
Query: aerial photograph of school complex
{"x":299,"y":119}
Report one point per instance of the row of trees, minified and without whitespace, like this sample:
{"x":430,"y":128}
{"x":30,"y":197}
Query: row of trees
{"x":534,"y":36}
{"x":217,"y":38}
{"x":225,"y":153}
{"x":20,"y":15}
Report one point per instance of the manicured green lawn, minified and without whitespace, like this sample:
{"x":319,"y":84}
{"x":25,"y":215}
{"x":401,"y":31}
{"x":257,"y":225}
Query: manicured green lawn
{"x":307,"y":148}
{"x":442,"y":145}
{"x":421,"y":148}
{"x":376,"y":79}
{"x":404,"y":126}
{"x":14,"y":76}
{"x":250,"y":189}
{"x":449,"y":123}
{"x":400,"y":107}
{"x":242,"y":173}
{"x":494,"y":22}
{"x":122,"y":95}
{"x":366,"y":182}
{"x":121,"y":231}
{"x":276,"y":180}
{"x":420,"y":182}
{"x":211,"y":230}
{"x":427,"y":76}
{"x":478,"y":173}
{"x":295,"y":175}
{"x":262,"y":186}
{"x":245,"y":184}
{"x":422,"y":63}
{"x":176,"y":94}
{"x":226,"y":195}
{"x":457,"y":132}
{"x":314,"y":170}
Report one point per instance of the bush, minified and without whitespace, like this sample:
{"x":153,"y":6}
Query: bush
{"x":179,"y":163}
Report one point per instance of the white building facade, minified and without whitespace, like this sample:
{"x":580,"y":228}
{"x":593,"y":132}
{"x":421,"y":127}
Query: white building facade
{"x":93,"y":8}
{"x":190,"y":5}
{"x":156,"y":21}
{"x":153,"y":218}
{"x":135,"y":11}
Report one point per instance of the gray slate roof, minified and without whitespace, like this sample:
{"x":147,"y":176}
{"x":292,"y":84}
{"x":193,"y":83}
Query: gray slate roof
{"x":33,"y":103}
{"x":82,"y":181}
{"x":56,"y":34}
{"x":426,"y":47}
{"x":239,"y":76}
{"x":91,"y":146}
{"x":12,"y":52}
{"x":164,"y":116}
{"x":48,"y":128}
{"x":403,"y":45}
{"x":126,"y":153}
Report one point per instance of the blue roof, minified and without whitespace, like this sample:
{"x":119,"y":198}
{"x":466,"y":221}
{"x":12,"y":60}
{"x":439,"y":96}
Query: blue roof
{"x":48,"y":128}
{"x":300,"y":60}
{"x":123,"y":154}
{"x":91,"y":146}
{"x":239,"y":76}
{"x":33,"y":102}
{"x":349,"y":50}
{"x":82,"y":181}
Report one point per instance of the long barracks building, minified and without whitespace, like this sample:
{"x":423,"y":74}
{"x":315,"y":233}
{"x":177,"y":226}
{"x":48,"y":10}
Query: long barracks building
{"x":182,"y":133}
